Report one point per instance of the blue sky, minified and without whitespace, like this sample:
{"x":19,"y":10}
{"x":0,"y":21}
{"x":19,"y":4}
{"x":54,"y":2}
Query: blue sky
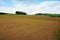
{"x":30,"y":6}
{"x":7,"y":3}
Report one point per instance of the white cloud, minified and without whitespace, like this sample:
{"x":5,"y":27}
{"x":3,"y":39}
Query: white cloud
{"x":48,"y":7}
{"x":44,"y":7}
{"x":7,"y":9}
{"x":26,"y":2}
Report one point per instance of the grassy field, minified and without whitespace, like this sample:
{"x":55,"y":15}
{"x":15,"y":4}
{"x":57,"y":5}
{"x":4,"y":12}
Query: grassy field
{"x":15,"y":27}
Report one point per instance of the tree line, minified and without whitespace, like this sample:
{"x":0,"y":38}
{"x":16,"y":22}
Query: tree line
{"x":17,"y":12}
{"x":48,"y":14}
{"x":23,"y":13}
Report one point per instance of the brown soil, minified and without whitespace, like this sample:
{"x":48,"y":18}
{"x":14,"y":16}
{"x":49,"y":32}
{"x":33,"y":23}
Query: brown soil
{"x":29,"y":27}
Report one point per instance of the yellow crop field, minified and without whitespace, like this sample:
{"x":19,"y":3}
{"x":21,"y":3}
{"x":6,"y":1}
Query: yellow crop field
{"x":25,"y":27}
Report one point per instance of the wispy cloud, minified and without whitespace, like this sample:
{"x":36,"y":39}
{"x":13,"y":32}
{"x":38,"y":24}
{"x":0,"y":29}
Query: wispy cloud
{"x":7,"y":9}
{"x":44,"y":7}
{"x":49,"y":7}
{"x":26,"y":2}
{"x":32,"y":8}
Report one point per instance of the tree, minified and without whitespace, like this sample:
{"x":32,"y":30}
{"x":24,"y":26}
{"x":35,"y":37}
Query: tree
{"x":39,"y":14}
{"x":1,"y":13}
{"x":20,"y":13}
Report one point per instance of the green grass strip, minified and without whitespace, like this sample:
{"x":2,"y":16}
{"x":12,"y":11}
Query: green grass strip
{"x":58,"y":35}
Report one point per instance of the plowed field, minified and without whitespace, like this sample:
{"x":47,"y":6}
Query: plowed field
{"x":29,"y":27}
